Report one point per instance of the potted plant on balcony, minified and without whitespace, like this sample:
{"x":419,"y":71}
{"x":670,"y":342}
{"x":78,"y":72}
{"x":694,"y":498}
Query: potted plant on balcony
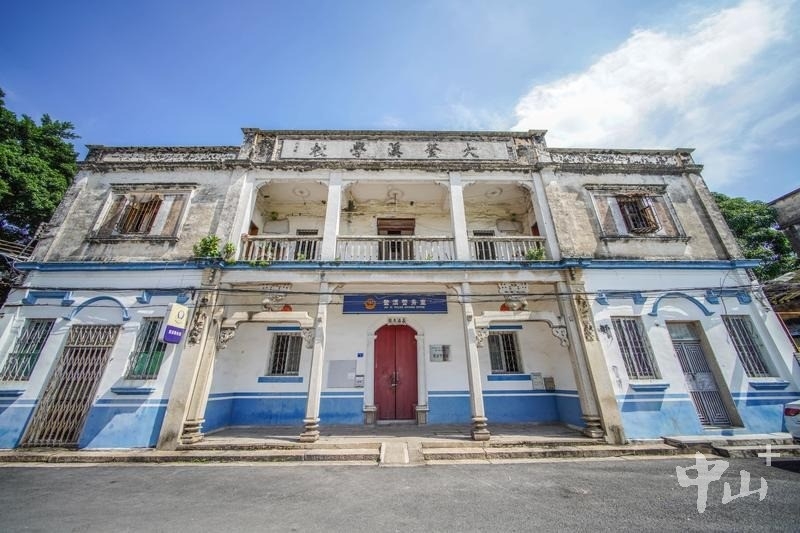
{"x":534,"y":254}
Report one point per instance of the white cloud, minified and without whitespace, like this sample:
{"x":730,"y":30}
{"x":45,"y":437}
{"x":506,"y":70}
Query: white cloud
{"x":662,"y":89}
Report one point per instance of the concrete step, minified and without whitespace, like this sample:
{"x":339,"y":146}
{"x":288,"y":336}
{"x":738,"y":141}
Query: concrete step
{"x":550,"y":452}
{"x":238,"y":444}
{"x":708,"y":443}
{"x":361,"y":455}
{"x":512,"y":443}
{"x":784,"y":450}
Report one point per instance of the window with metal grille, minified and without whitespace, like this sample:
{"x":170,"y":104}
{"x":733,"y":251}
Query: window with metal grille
{"x":504,"y":353}
{"x":29,"y":344}
{"x":149,"y":351}
{"x":635,"y":348}
{"x":285,"y":357}
{"x":139,"y":214}
{"x":638,"y":214}
{"x":747,"y":344}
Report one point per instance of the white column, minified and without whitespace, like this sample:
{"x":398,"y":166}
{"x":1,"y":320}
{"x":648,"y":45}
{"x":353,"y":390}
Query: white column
{"x":311,"y":420}
{"x":184,"y":385}
{"x":595,"y":392}
{"x":370,"y":411}
{"x":479,"y":420}
{"x":543,"y":214}
{"x":458,"y":217}
{"x":332,"y":216}
{"x":422,"y":383}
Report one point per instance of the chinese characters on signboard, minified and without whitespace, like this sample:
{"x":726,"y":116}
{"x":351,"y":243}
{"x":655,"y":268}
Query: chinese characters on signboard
{"x":395,"y":303}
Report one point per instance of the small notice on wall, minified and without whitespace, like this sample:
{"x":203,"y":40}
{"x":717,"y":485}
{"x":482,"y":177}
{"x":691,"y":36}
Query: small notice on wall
{"x":537,"y":379}
{"x":440,"y":353}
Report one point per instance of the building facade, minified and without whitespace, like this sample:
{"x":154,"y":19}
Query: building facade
{"x":362,"y":277}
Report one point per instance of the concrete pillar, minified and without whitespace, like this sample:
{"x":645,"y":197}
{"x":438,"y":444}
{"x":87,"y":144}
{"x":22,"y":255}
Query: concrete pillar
{"x":193,"y":426}
{"x":422,"y":383}
{"x":311,"y":420}
{"x":184,"y":384}
{"x":480,"y":430}
{"x":458,"y":217}
{"x":332,"y":216}
{"x":595,"y":391}
{"x":544,"y":217}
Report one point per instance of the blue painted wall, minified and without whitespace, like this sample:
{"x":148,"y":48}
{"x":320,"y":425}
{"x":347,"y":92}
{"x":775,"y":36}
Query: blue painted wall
{"x":14,"y":416}
{"x":507,"y":407}
{"x":650,"y":415}
{"x":449,"y":407}
{"x":279,"y":409}
{"x":123,"y":423}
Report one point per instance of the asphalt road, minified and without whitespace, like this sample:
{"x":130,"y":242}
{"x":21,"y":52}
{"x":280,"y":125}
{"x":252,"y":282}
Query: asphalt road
{"x":641,"y":495}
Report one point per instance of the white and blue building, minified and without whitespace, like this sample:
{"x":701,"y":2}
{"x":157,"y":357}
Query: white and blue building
{"x":363,"y":277}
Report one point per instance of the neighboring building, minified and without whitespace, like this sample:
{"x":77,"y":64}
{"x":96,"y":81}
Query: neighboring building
{"x":784,"y":291}
{"x":437,"y":277}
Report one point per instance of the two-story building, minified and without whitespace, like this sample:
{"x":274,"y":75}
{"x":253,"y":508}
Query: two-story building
{"x":367,"y":277}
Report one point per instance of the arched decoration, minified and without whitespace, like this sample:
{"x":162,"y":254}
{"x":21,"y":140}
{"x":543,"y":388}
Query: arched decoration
{"x":229,"y":325}
{"x":483,"y":323}
{"x":695,"y":301}
{"x":125,"y":314}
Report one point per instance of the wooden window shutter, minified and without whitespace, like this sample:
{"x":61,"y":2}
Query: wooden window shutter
{"x":112,"y":217}
{"x":174,"y":215}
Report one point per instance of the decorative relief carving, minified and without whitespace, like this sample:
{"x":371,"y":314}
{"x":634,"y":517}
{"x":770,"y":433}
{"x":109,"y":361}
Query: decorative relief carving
{"x":585,"y":157}
{"x":560,"y":332}
{"x":308,"y":336}
{"x":275,"y":294}
{"x":511,"y":287}
{"x":585,"y":311}
{"x":225,"y":335}
{"x":165,"y":155}
{"x":480,"y":336}
{"x":196,"y":331}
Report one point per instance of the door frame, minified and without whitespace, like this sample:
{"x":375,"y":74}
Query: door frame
{"x":370,"y":410}
{"x":713,"y":365}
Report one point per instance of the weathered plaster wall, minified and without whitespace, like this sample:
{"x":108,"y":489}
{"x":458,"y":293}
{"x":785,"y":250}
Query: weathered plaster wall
{"x":213,"y":199}
{"x":579,"y":225}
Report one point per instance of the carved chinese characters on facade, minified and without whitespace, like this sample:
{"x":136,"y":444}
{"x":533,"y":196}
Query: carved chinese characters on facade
{"x":394,"y":149}
{"x":470,"y":151}
{"x":358,"y":149}
{"x":433,"y":150}
{"x":318,"y":150}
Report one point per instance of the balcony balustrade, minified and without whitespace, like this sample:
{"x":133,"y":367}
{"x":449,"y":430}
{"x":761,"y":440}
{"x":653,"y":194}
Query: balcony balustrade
{"x":291,"y":248}
{"x":506,"y":248}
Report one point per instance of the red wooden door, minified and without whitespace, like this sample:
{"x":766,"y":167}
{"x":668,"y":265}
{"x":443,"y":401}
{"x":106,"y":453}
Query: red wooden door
{"x":395,"y":372}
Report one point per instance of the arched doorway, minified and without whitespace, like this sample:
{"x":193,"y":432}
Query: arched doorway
{"x":395,"y":372}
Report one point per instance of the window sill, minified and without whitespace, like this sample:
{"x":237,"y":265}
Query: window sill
{"x":280,"y":379}
{"x":133,"y":391}
{"x":644,"y":237}
{"x":774,"y":384}
{"x":508,"y":377}
{"x":649,"y":386}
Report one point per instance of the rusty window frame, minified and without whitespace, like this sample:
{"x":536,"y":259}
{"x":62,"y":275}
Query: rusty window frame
{"x":638,"y":213}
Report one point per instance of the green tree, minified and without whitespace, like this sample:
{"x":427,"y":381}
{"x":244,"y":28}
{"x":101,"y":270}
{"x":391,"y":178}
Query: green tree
{"x":754,"y":225}
{"x":37,"y":164}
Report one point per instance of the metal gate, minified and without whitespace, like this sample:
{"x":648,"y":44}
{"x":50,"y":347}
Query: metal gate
{"x":62,"y":411}
{"x":701,"y":383}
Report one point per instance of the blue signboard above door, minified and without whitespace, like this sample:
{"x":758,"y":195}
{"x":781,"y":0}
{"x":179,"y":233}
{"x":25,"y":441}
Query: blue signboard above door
{"x":395,"y":303}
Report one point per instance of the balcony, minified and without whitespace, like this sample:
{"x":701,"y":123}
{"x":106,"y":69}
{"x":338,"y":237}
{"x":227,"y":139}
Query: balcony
{"x":280,"y":248}
{"x":506,"y":248}
{"x":393,"y":248}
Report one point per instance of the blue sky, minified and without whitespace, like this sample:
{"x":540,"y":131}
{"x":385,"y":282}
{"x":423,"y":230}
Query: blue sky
{"x":720,"y":76}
